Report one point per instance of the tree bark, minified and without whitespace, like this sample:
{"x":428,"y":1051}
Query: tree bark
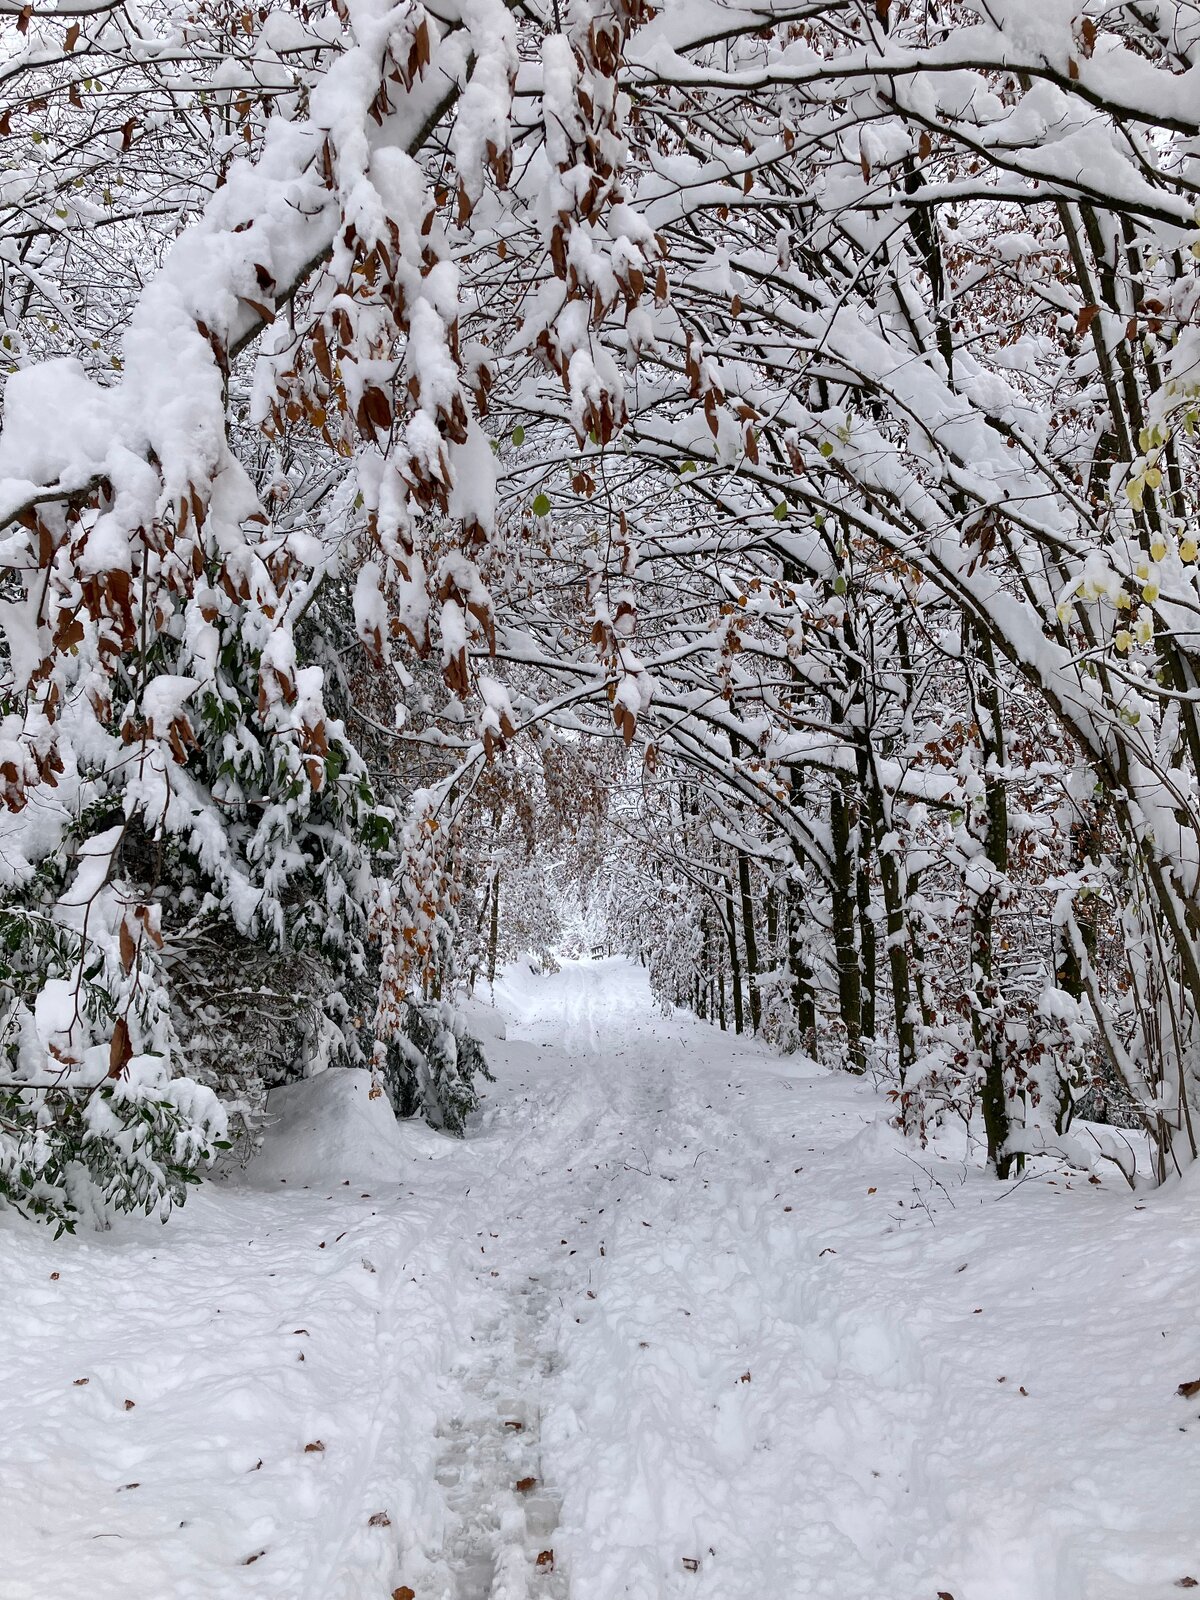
{"x":750,"y":940}
{"x":735,"y":966}
{"x":842,"y":824}
{"x":494,"y":928}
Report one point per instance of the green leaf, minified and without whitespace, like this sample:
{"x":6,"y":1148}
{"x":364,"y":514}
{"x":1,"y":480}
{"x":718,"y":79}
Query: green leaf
{"x":780,"y":512}
{"x":541,"y":506}
{"x":826,"y":449}
{"x":518,"y":437}
{"x":687,"y":466}
{"x":839,"y":585}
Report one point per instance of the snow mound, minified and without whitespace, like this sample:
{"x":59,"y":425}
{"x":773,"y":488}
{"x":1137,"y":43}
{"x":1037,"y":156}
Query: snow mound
{"x":328,"y":1128}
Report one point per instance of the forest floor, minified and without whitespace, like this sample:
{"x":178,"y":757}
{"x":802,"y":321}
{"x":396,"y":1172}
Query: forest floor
{"x":679,"y":1318}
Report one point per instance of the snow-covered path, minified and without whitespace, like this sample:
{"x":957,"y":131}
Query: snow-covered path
{"x":679,"y":1319}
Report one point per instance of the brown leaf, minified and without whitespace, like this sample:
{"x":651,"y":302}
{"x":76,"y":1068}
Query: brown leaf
{"x":257,"y":1556}
{"x":524,"y":1485}
{"x":379,"y":1520}
{"x":1187,"y":1583}
{"x":690,"y":1563}
{"x":143,"y":915}
{"x":545,"y":1561}
{"x":72,"y":38}
{"x":515,"y":1426}
{"x":316,"y":1448}
{"x":120,"y":1050}
{"x":1188,"y":1391}
{"x":128,"y":947}
{"x":404,"y":1593}
{"x":1085,"y":319}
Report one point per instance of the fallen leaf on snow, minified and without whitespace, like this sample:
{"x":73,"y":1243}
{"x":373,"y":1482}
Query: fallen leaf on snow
{"x":404,"y":1593}
{"x":524,"y":1485}
{"x":545,"y":1561}
{"x":1187,"y":1390}
{"x":315,"y":1448}
{"x":1187,"y":1583}
{"x":690,"y":1563}
{"x":257,"y":1556}
{"x":379,"y":1520}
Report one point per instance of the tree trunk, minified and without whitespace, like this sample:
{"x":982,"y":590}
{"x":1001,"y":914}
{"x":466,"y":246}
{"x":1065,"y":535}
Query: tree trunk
{"x":987,"y":1009}
{"x":494,"y":929}
{"x":735,"y":966}
{"x":750,"y":939}
{"x":804,"y":1001}
{"x":842,"y":823}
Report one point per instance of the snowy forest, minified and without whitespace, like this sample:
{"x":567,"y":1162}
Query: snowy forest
{"x":510,"y":505}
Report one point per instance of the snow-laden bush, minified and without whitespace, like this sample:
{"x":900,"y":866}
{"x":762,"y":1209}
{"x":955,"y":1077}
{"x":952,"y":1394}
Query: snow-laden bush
{"x":93,"y":1119}
{"x":432,"y":1067}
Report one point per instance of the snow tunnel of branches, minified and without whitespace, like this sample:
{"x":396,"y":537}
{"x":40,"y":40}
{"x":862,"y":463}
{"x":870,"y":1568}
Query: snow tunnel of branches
{"x":710,"y":483}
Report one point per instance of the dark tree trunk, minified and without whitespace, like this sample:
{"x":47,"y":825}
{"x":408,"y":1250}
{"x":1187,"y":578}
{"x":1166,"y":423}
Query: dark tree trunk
{"x":494,"y":928}
{"x":735,"y":966}
{"x":750,"y":939}
{"x":842,"y":827}
{"x":987,"y":1018}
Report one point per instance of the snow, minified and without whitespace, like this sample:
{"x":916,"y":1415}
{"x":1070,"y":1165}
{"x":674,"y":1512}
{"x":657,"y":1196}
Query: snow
{"x":741,"y":1324}
{"x":329,"y":1128}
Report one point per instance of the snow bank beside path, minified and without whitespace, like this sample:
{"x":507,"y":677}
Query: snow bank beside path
{"x":330,"y":1129}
